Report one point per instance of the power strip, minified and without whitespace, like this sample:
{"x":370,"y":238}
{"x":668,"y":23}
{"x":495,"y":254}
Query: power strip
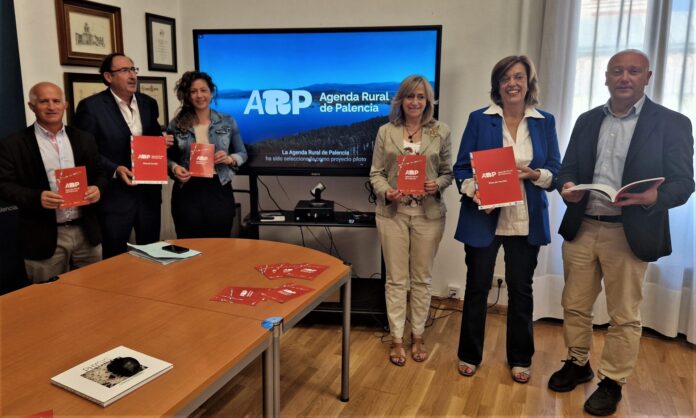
{"x":272,"y":218}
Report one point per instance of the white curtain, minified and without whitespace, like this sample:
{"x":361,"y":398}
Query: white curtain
{"x":669,"y":305}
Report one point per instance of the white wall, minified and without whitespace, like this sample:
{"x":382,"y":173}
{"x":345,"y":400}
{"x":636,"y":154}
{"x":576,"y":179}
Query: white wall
{"x":476,"y":34}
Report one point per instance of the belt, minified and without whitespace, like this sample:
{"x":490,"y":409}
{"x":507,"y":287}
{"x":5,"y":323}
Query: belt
{"x":605,"y":218}
{"x":71,"y":222}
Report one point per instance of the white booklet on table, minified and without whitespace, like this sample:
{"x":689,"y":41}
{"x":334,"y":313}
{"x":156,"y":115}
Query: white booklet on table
{"x":162,"y":252}
{"x":92,"y":379}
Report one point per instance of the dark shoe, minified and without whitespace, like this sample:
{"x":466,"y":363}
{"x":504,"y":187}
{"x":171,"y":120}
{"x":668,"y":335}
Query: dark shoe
{"x":604,"y":400}
{"x":570,"y":376}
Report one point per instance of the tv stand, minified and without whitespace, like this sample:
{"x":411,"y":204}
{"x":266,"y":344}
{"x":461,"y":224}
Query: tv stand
{"x":367,"y":301}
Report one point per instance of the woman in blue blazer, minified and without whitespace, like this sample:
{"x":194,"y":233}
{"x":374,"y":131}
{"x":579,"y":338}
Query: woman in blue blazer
{"x":512,"y":120}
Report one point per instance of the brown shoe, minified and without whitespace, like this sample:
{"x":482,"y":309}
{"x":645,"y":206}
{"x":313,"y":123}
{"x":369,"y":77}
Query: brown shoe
{"x":418,"y":351}
{"x":397,"y":354}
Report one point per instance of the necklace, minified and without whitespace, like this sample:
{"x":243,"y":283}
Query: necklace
{"x":411,"y":135}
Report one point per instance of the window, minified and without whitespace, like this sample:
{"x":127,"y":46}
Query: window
{"x":664,"y":29}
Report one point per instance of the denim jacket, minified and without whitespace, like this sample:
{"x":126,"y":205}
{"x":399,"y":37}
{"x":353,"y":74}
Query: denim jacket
{"x":223,"y":132}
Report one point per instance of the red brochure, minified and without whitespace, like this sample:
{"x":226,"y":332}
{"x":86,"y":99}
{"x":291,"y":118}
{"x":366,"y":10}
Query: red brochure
{"x":244,"y":295}
{"x":274,"y":271}
{"x":411,"y":174}
{"x":306,"y":271}
{"x":495,"y":174}
{"x":72,"y":186}
{"x":201,"y":164}
{"x":42,"y":414}
{"x":149,"y":160}
{"x":286,"y":292}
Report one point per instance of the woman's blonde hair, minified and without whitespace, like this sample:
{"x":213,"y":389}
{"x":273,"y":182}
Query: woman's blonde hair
{"x":408,"y":86}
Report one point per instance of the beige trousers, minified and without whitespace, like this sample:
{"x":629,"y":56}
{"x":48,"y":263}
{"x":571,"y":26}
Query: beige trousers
{"x":600,"y":251}
{"x":72,"y":251}
{"x":409,"y":244}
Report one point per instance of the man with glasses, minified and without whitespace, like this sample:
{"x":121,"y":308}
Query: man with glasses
{"x":112,"y":116}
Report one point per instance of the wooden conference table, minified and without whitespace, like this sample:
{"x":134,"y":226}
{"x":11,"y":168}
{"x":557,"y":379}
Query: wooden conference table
{"x":189,"y":285}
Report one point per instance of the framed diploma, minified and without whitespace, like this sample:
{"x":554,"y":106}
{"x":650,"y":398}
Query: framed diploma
{"x":161,"y":43}
{"x":87,"y":32}
{"x":156,"y":87}
{"x":79,"y":86}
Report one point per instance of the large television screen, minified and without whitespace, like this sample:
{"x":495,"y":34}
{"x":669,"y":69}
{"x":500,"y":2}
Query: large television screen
{"x":310,"y":101}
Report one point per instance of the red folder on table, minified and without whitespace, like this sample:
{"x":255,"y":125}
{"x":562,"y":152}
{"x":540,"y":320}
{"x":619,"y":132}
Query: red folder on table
{"x":411,"y":174}
{"x":72,"y":186}
{"x":202,"y":157}
{"x":495,"y":174}
{"x":149,"y":160}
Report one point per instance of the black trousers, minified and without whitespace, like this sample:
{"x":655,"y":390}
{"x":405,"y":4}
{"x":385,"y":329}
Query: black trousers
{"x":520,"y":262}
{"x":138,"y":209}
{"x":203,"y":208}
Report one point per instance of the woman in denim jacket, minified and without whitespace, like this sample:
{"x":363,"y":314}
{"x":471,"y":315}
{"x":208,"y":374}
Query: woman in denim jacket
{"x":203,"y":206}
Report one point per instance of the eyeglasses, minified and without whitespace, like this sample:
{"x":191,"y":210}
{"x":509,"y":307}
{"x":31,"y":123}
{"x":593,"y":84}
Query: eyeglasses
{"x":126,"y":70}
{"x":517,"y":77}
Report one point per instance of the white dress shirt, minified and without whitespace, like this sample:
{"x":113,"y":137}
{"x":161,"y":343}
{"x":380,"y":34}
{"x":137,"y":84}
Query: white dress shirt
{"x":56,"y":153}
{"x":514,"y":220}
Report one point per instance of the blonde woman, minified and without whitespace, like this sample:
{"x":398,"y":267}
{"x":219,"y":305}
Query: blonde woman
{"x":410,"y":227}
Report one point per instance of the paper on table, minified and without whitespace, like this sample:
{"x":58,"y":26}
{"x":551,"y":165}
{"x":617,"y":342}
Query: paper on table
{"x":155,"y":250}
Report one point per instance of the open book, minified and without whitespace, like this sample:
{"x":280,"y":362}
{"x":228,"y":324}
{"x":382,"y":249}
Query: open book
{"x":615,"y":195}
{"x":95,"y":381}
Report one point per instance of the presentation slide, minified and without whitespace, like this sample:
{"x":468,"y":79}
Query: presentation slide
{"x":314,"y":99}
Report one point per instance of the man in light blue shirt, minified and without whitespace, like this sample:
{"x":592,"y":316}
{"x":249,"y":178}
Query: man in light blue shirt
{"x":630,"y":138}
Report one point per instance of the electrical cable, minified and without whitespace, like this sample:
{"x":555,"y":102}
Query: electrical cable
{"x":500,"y":284}
{"x":371,"y":196}
{"x":269,"y":195}
{"x":287,"y":196}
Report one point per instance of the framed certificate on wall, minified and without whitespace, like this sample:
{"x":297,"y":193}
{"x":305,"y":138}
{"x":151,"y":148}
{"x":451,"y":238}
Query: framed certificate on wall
{"x":161,"y":43}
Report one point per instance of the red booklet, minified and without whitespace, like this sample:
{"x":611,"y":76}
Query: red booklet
{"x":274,"y":271}
{"x":244,"y":295}
{"x":306,"y":271}
{"x":411,"y":174}
{"x":42,"y":414}
{"x":72,"y":186}
{"x":286,"y":292}
{"x":149,"y":160}
{"x":201,"y":164}
{"x":495,"y":174}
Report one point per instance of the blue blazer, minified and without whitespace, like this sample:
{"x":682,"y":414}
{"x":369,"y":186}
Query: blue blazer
{"x":475,"y":227}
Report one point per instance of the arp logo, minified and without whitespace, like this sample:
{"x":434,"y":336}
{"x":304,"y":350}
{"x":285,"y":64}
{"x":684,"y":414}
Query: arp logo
{"x":411,"y":172}
{"x":278,"y":102}
{"x":144,"y":156}
{"x":201,"y":158}
{"x":72,"y":185}
{"x":488,"y":174}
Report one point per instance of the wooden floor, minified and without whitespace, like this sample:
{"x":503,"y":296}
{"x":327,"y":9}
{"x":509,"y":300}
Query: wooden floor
{"x":662,"y":385}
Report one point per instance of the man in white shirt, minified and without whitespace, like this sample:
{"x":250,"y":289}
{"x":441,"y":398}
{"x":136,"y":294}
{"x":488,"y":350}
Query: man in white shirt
{"x":113,"y":116}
